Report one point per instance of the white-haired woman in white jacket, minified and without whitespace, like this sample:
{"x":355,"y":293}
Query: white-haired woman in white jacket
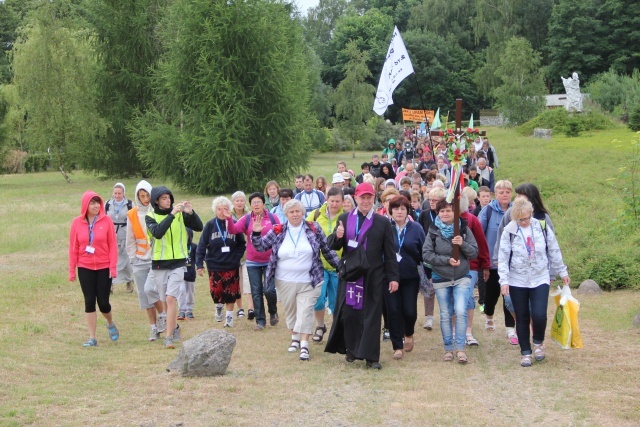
{"x":526,"y":253}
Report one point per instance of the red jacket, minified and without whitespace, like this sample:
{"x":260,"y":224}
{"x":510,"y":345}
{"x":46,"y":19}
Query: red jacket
{"x":104,"y":241}
{"x":484,"y":259}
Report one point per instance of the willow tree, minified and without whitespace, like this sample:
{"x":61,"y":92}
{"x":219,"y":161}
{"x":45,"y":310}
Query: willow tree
{"x":54,"y":71}
{"x":231,"y":97}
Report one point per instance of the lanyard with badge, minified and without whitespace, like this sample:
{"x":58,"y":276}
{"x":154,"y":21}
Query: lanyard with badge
{"x":295,"y":243}
{"x":90,"y":249}
{"x":401,"y":235}
{"x":529,"y":244}
{"x":354,"y":243}
{"x":224,"y":235}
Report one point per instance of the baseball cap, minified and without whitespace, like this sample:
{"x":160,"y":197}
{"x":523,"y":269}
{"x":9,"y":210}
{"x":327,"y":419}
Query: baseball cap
{"x":364,"y":188}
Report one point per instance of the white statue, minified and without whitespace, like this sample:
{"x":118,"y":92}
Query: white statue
{"x":574,"y":97}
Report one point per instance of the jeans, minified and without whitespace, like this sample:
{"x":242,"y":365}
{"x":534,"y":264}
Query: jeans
{"x":530,"y":305}
{"x":493,"y":295}
{"x":256,"y":279}
{"x":329,"y":291}
{"x":471,"y":303}
{"x":456,"y":296}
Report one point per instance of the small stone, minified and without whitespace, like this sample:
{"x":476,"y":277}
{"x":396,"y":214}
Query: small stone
{"x":207,"y":354}
{"x":589,"y":287}
{"x":636,"y":321}
{"x":542,"y":133}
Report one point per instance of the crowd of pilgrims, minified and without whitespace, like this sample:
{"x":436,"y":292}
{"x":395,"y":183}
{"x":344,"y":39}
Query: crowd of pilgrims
{"x":298,"y":246}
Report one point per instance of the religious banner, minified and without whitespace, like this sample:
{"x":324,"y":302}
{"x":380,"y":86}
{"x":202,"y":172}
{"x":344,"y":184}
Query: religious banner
{"x":397,"y":66}
{"x":417,"y":115}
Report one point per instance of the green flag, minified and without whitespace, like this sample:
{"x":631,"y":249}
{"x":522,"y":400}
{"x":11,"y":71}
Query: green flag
{"x":436,"y":121}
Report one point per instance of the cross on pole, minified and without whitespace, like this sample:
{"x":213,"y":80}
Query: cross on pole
{"x":456,"y":195}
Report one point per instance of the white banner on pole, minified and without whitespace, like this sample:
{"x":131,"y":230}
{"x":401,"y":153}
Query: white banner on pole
{"x":397,"y":66}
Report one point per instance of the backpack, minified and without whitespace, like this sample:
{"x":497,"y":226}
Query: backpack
{"x":247,"y":219}
{"x":108,"y":204}
{"x":489,"y":213}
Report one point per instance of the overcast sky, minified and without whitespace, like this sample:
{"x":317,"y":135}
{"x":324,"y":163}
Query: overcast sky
{"x":304,"y":5}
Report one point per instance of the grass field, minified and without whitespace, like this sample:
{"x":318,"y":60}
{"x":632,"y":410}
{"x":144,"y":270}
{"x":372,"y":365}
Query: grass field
{"x":49,"y":379}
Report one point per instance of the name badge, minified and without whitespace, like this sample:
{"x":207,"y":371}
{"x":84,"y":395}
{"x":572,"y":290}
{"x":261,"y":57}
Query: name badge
{"x":295,"y":255}
{"x":398,"y":257}
{"x":90,"y":249}
{"x":225,"y":249}
{"x":353,"y":244}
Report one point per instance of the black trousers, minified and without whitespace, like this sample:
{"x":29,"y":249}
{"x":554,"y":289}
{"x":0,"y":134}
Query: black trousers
{"x":402,"y":311}
{"x":492,"y":295}
{"x":96,"y":286}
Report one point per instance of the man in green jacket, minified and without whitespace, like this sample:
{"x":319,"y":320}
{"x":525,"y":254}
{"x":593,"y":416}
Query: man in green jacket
{"x":327,"y":218}
{"x":166,"y":226}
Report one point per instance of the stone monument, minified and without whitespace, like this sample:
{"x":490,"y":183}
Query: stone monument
{"x":574,"y":97}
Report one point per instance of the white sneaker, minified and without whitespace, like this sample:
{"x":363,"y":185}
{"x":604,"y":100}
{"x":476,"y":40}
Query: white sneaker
{"x":154,"y":335}
{"x":161,"y":323}
{"x":219,"y":314}
{"x":428,"y":324}
{"x":229,"y":322}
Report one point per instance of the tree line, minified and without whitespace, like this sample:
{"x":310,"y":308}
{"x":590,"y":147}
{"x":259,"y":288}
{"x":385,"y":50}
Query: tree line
{"x":207,"y":93}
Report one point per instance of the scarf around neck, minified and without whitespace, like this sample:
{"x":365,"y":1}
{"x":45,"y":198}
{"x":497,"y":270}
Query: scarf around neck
{"x":445,"y":230}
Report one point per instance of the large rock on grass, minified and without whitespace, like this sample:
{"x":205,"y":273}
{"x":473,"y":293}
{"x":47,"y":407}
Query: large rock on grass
{"x":636,"y":321}
{"x":589,"y":287}
{"x":542,"y":133}
{"x":205,"y":355}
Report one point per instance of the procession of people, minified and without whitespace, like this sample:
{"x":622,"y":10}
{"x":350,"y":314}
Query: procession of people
{"x":348,"y":258}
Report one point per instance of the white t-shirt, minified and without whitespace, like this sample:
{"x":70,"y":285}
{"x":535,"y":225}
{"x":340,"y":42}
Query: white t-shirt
{"x":295,"y":256}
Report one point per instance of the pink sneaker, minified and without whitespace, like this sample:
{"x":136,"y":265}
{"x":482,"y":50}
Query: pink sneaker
{"x":512,"y":336}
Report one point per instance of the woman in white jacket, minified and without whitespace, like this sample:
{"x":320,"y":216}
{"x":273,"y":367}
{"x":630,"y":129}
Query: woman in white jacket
{"x":526,"y":254}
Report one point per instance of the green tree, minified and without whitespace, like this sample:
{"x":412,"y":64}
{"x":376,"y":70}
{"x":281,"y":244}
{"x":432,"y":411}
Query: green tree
{"x":231,"y":97}
{"x":621,"y":19}
{"x":447,"y":18}
{"x":371,"y":32}
{"x":128,"y":50}
{"x":12,"y":14}
{"x":575,"y":42}
{"x":443,"y":72}
{"x":353,"y":98}
{"x":55,"y":72}
{"x":520,"y":97}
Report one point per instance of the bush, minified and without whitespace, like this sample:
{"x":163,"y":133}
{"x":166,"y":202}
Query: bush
{"x":634,"y":119}
{"x":13,"y":162}
{"x":380,"y":132}
{"x":613,"y":272}
{"x":615,"y":93}
{"x":36,"y":162}
{"x":562,"y":121}
{"x":321,"y":140}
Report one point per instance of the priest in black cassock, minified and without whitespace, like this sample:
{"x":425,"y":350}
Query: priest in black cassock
{"x":357,"y":319}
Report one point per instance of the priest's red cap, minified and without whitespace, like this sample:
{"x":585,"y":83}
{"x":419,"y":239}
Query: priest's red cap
{"x":365,"y":188}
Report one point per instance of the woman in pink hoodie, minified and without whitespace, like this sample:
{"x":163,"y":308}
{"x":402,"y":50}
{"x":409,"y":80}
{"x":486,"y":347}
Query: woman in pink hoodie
{"x":93,"y":249}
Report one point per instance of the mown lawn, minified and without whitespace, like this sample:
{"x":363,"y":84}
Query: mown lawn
{"x":48,"y":379}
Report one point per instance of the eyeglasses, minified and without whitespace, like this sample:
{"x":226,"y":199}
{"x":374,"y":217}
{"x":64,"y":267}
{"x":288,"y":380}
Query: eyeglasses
{"x":521,"y":220}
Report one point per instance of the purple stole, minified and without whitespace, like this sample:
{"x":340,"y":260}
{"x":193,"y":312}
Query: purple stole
{"x":355,"y":290}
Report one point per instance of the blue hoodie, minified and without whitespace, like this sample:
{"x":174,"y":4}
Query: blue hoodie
{"x":492,"y":225}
